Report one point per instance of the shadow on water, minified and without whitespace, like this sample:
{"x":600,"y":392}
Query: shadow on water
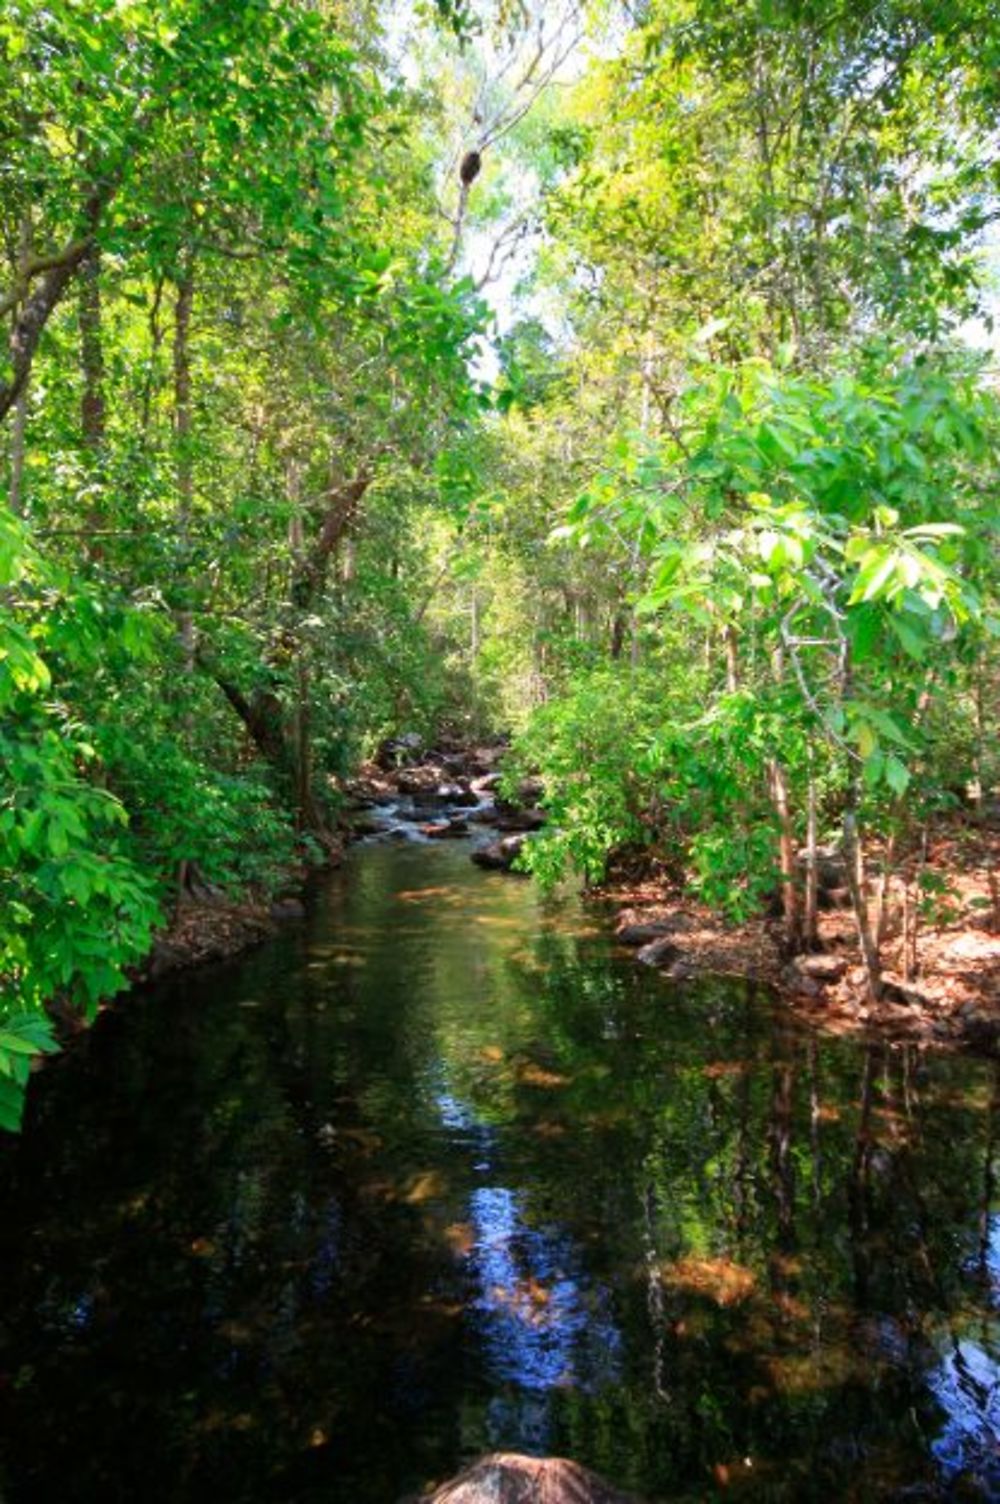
{"x":440,"y":1172}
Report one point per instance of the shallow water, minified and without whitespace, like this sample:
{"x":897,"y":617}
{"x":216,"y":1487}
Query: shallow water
{"x":440,"y":1172}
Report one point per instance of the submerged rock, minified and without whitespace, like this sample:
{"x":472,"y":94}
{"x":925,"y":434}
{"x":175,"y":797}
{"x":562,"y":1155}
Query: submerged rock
{"x":507,"y":1478}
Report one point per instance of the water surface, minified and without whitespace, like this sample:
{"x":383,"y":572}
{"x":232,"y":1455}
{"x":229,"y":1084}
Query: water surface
{"x":440,"y":1172}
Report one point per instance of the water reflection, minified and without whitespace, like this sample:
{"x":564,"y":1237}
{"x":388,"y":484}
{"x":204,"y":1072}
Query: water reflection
{"x":966,"y":1384}
{"x":494,"y":1186}
{"x":543,"y":1325}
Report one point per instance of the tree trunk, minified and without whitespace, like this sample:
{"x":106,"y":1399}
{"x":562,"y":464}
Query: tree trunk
{"x":781,"y":799}
{"x":811,"y":918}
{"x":92,"y":406}
{"x":786,"y":856}
{"x":732,"y":659}
{"x":18,"y":440}
{"x":33,"y":309}
{"x":619,"y":624}
{"x":310,"y":570}
{"x":184,"y":459}
{"x":881,"y":921}
{"x":93,"y":416}
{"x":857,"y":883}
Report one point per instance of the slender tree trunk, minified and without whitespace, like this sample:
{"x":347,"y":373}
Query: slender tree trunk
{"x":909,"y":933}
{"x":183,"y":428}
{"x":305,"y":802}
{"x":781,"y":800}
{"x":19,"y":432}
{"x":18,"y":443}
{"x":36,"y":298}
{"x":619,"y":625}
{"x":731,"y":642}
{"x":881,"y":921}
{"x":857,"y":882}
{"x":93,"y":416}
{"x":155,"y":341}
{"x":811,"y":916}
{"x":981,"y":739}
{"x":92,"y":406}
{"x":306,"y":808}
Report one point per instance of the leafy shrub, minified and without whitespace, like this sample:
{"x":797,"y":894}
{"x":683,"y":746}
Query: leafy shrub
{"x":587,"y":747}
{"x":75,"y":910}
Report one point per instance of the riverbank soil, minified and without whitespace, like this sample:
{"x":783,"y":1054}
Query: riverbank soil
{"x":949,"y":991}
{"x":209,"y":926}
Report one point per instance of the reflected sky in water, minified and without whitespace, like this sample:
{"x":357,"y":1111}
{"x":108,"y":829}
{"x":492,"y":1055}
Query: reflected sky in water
{"x":966,"y":1384}
{"x":543,"y":1324}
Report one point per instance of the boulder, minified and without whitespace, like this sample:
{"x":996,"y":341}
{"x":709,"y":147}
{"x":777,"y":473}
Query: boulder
{"x":398,"y":750}
{"x":520,"y":819}
{"x":800,"y":982}
{"x":820,"y":968}
{"x":507,"y":1478}
{"x":658,"y":952}
{"x":448,"y":831}
{"x":287,"y":908}
{"x":466,"y":798}
{"x":422,"y":780}
{"x":450,"y":793}
{"x":831,"y":874}
{"x":363,"y":825}
{"x":637,"y":933}
{"x":499,"y":856}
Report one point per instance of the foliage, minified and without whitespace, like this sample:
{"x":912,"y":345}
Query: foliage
{"x":76,"y":910}
{"x":837,"y":535}
{"x":272,"y":509}
{"x":586,"y":745}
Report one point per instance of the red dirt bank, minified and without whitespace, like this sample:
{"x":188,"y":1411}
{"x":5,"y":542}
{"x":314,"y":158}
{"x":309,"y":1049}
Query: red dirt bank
{"x":955,"y":992}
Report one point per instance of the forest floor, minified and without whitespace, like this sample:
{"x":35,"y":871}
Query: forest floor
{"x":954,"y":994}
{"x":210,"y":926}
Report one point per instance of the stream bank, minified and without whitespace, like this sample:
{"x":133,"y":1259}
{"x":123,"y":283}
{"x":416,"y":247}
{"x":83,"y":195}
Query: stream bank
{"x":952,"y":999}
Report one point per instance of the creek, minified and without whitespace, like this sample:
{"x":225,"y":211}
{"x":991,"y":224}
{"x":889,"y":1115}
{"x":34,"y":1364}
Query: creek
{"x":440,"y":1171}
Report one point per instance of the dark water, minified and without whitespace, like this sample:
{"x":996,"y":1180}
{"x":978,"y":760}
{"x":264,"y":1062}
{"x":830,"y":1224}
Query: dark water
{"x":439,"y":1173}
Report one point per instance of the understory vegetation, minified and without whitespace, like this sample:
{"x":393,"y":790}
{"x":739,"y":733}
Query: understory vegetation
{"x":620,"y":376}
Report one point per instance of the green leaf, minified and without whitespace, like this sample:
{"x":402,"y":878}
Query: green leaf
{"x":896,"y":774}
{"x":11,"y":1105}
